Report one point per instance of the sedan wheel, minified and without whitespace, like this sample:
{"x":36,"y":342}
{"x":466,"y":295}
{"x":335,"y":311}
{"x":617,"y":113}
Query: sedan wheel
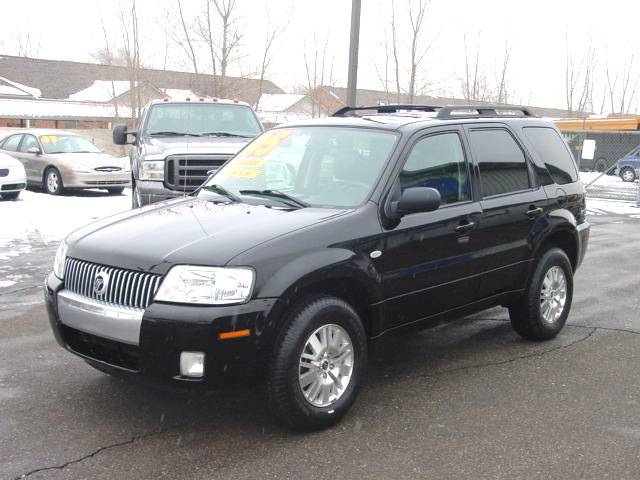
{"x":628,"y":175}
{"x":53,"y":182}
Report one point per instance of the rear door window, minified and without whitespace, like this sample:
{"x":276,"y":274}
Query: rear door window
{"x":554,"y":153}
{"x":12,"y":143}
{"x":503,"y":167}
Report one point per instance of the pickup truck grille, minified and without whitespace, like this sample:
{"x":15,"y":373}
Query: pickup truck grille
{"x":124,"y":287}
{"x":188,"y":172}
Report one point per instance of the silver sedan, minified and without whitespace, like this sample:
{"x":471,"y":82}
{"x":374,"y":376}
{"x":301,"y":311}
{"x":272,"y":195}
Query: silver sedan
{"x":58,"y":160}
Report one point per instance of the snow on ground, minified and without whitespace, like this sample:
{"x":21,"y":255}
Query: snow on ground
{"x":38,"y":218}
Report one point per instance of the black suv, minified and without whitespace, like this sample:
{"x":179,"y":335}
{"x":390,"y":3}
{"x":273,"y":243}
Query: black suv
{"x":319,"y":238}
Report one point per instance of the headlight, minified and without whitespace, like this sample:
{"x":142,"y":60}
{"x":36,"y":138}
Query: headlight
{"x":152,"y":170}
{"x":206,"y":285}
{"x":58,"y":262}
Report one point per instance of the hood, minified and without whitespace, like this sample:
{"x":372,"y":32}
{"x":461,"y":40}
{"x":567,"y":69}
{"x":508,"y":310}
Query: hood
{"x":93,"y":160}
{"x":186,"y":231}
{"x":195,"y":145}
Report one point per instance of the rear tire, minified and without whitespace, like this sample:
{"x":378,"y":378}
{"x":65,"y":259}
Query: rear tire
{"x":600,"y":165}
{"x":317,"y":364}
{"x":115,"y":191}
{"x":11,"y":196}
{"x":543,"y":309}
{"x":52,"y":183}
{"x":628,"y":175}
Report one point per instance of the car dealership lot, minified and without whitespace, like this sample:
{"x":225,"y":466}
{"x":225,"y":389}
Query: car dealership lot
{"x":467,"y":400}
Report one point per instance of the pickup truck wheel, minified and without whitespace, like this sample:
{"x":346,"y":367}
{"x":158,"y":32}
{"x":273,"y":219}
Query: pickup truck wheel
{"x":317,"y":364}
{"x":115,"y":191}
{"x":10,"y":196}
{"x":628,"y":175}
{"x":600,"y":165}
{"x":543,"y":309}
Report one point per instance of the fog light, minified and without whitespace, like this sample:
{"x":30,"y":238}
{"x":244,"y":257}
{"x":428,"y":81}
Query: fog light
{"x":192,"y":364}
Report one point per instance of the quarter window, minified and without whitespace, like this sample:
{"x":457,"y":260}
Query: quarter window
{"x":438,"y":162}
{"x":553,"y":152}
{"x":503,"y":167}
{"x":12,"y":143}
{"x":28,"y":142}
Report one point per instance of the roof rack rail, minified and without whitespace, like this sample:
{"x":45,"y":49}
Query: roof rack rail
{"x":386,"y":109}
{"x":482,"y":111}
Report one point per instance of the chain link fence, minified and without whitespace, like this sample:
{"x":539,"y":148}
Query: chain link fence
{"x":615,"y":166}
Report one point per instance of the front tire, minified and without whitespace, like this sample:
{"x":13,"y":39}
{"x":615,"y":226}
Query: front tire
{"x":628,"y":175}
{"x":115,"y":191}
{"x":543,"y":309}
{"x":53,"y":182}
{"x":11,"y":196}
{"x":317,"y":364}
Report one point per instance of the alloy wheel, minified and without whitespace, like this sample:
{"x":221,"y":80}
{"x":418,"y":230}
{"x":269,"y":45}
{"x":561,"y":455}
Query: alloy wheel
{"x":326,"y":365}
{"x":553,"y":294}
{"x":53,"y":181}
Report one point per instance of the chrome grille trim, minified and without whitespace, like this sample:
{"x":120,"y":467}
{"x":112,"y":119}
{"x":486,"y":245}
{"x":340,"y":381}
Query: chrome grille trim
{"x":126,"y":287}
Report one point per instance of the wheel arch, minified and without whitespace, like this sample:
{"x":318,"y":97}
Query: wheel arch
{"x":566,"y":239}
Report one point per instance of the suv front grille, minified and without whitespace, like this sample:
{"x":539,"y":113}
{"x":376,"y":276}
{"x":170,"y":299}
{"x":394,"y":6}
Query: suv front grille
{"x":188,"y":172}
{"x":124,"y":287}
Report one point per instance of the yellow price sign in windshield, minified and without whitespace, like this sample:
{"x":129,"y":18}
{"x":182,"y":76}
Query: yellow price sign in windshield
{"x":265,"y":144}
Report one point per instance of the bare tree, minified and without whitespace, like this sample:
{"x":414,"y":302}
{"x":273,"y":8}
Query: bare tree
{"x":383,"y":76}
{"x":271,"y":34}
{"x":314,"y":64}
{"x":394,"y":46}
{"x":26,"y":46}
{"x":417,"y":53}
{"x":105,"y":56}
{"x":131,"y":50}
{"x":579,"y":79}
{"x":475,"y":86}
{"x":185,"y":41}
{"x":503,"y":91}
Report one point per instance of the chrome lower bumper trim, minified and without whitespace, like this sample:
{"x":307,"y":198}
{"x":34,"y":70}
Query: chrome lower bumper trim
{"x":104,"y":320}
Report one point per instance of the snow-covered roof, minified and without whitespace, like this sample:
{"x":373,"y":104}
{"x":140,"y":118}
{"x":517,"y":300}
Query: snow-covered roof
{"x":277,"y":102}
{"x":102,"y":91}
{"x":278,"y":118}
{"x":7,"y":87}
{"x":59,"y":109}
{"x":178,"y":94}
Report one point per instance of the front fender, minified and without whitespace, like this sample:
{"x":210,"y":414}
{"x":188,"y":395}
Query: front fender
{"x":323,"y":265}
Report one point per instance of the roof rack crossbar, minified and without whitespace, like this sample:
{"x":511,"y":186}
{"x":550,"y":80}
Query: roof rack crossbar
{"x":387,"y":109}
{"x":487,"y":110}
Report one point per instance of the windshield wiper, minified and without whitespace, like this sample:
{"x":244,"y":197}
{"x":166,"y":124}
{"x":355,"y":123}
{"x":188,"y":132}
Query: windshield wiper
{"x":215,"y":188}
{"x":173,"y":134}
{"x":224,"y":134}
{"x":292,"y":201}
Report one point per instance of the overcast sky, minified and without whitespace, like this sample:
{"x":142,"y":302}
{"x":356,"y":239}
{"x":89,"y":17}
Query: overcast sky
{"x":535,"y":30}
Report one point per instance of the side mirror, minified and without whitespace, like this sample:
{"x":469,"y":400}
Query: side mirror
{"x":120,"y":134}
{"x":418,"y":199}
{"x":34,"y":150}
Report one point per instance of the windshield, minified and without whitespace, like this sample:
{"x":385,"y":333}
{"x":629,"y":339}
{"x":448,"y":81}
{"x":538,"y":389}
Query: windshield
{"x":202,"y":119}
{"x":308,"y":166}
{"x":67,"y":144}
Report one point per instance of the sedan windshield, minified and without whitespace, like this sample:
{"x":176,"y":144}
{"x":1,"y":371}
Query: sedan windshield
{"x":307,"y":166}
{"x":202,"y":119}
{"x":67,"y":144}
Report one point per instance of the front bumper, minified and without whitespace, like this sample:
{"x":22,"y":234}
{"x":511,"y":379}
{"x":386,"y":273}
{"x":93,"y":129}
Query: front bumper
{"x":583,"y":239}
{"x":150,"y":191}
{"x":147,"y":344}
{"x":13,"y":182}
{"x":72,"y":179}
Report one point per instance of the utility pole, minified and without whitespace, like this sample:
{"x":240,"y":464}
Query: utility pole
{"x":352,"y":81}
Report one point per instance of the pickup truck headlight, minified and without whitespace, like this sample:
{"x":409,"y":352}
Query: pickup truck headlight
{"x":59,"y":260}
{"x":206,"y":285}
{"x":152,"y":170}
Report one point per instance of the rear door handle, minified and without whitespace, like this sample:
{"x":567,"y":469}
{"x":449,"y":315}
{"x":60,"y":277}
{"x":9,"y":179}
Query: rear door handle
{"x":465,"y":227}
{"x":534,"y":212}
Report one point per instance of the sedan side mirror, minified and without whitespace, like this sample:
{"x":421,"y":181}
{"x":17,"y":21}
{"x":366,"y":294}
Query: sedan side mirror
{"x":418,"y":199}
{"x":34,"y":150}
{"x":120,"y":134}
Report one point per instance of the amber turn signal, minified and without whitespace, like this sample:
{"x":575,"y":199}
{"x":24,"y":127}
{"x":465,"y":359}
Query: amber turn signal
{"x":234,"y":334}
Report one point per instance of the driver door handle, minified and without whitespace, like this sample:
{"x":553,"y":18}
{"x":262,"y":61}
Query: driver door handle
{"x":466,"y":227}
{"x":534,"y":211}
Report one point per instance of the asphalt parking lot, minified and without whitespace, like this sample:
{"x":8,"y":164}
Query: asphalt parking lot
{"x":467,"y":400}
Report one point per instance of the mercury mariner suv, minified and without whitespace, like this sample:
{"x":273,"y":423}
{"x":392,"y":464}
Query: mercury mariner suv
{"x":318,"y":239}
